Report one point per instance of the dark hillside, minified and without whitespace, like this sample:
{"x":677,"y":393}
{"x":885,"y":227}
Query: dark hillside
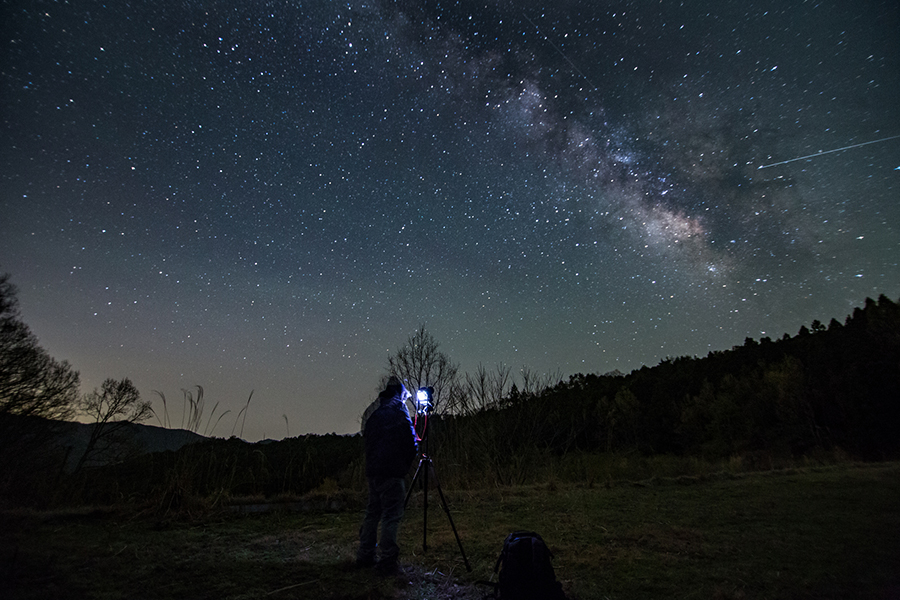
{"x":142,"y":439}
{"x":219,"y":469}
{"x":826,"y":392}
{"x":827,"y":389}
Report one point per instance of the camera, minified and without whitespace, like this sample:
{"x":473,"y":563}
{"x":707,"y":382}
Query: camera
{"x":424,"y":396}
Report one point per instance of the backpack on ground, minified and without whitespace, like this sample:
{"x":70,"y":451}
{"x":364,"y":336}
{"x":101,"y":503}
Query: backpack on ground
{"x":525,"y":569}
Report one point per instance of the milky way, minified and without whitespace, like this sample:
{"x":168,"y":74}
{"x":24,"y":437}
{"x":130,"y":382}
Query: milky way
{"x":271,"y":196}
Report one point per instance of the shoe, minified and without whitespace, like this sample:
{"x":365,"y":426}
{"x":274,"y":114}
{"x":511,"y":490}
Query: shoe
{"x":387,"y":568}
{"x":364,"y":563}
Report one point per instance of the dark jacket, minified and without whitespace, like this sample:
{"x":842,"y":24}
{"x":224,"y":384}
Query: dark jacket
{"x":390,"y":440}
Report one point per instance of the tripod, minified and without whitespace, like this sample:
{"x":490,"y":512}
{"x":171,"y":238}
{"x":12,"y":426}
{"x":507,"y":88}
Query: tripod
{"x":425,"y":467}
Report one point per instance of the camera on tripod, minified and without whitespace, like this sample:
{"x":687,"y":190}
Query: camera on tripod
{"x":424,"y":400}
{"x":424,"y":404}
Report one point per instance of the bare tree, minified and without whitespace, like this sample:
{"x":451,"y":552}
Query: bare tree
{"x":36,"y":393}
{"x":114,"y":408}
{"x":533,"y":382}
{"x":419,"y":363}
{"x":32,"y":384}
{"x":486,"y":389}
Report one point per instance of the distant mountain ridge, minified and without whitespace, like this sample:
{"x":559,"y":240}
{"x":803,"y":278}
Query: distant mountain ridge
{"x":142,"y":439}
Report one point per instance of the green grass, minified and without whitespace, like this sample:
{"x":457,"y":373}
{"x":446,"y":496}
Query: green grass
{"x":830,"y":532}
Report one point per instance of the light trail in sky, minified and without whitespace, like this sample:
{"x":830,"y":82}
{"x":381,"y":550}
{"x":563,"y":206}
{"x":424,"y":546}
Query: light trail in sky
{"x":820,"y":153}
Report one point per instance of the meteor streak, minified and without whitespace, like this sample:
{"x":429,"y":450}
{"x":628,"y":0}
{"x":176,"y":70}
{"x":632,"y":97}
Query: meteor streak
{"x":820,"y":153}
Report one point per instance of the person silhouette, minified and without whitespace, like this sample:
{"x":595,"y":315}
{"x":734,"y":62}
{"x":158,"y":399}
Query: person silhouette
{"x":391,"y":445}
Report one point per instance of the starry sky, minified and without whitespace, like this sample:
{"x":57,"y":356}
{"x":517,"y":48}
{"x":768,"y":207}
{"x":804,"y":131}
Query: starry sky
{"x":271,"y":196}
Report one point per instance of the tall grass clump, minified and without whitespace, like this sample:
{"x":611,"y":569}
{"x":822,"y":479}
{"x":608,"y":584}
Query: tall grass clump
{"x":192,"y":410}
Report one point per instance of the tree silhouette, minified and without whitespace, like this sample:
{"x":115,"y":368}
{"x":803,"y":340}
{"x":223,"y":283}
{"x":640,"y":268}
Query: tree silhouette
{"x":36,"y":393}
{"x":485,"y":389}
{"x":32,"y":384}
{"x":117,"y":405}
{"x":419,"y":363}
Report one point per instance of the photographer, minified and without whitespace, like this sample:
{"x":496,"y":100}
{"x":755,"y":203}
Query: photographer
{"x":390,"y":441}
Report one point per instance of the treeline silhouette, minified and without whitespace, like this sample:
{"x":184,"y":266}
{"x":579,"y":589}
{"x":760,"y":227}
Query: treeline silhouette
{"x":827,"y":393}
{"x":828,"y":389}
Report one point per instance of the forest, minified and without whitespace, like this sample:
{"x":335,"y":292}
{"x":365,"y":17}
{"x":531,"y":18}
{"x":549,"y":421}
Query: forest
{"x":830,"y":393}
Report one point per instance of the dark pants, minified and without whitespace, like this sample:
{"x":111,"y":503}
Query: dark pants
{"x":386,"y":499}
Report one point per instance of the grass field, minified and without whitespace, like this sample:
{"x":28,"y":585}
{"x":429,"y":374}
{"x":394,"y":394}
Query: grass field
{"x":832,"y":532}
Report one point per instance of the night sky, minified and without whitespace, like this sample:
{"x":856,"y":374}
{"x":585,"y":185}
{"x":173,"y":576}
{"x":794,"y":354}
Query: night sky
{"x":272,"y":196}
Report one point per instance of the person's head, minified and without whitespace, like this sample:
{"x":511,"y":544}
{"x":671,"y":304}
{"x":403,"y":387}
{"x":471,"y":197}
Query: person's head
{"x":393,"y":389}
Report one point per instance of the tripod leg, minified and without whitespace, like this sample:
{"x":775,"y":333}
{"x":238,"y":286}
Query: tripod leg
{"x":437,"y":484}
{"x":413,"y":484}
{"x":428,"y":468}
{"x":422,"y":469}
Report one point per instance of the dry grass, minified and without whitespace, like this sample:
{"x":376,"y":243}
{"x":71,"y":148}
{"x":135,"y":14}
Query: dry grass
{"x":814,"y":533}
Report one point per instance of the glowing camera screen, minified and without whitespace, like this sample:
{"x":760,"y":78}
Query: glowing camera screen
{"x":423,"y":399}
